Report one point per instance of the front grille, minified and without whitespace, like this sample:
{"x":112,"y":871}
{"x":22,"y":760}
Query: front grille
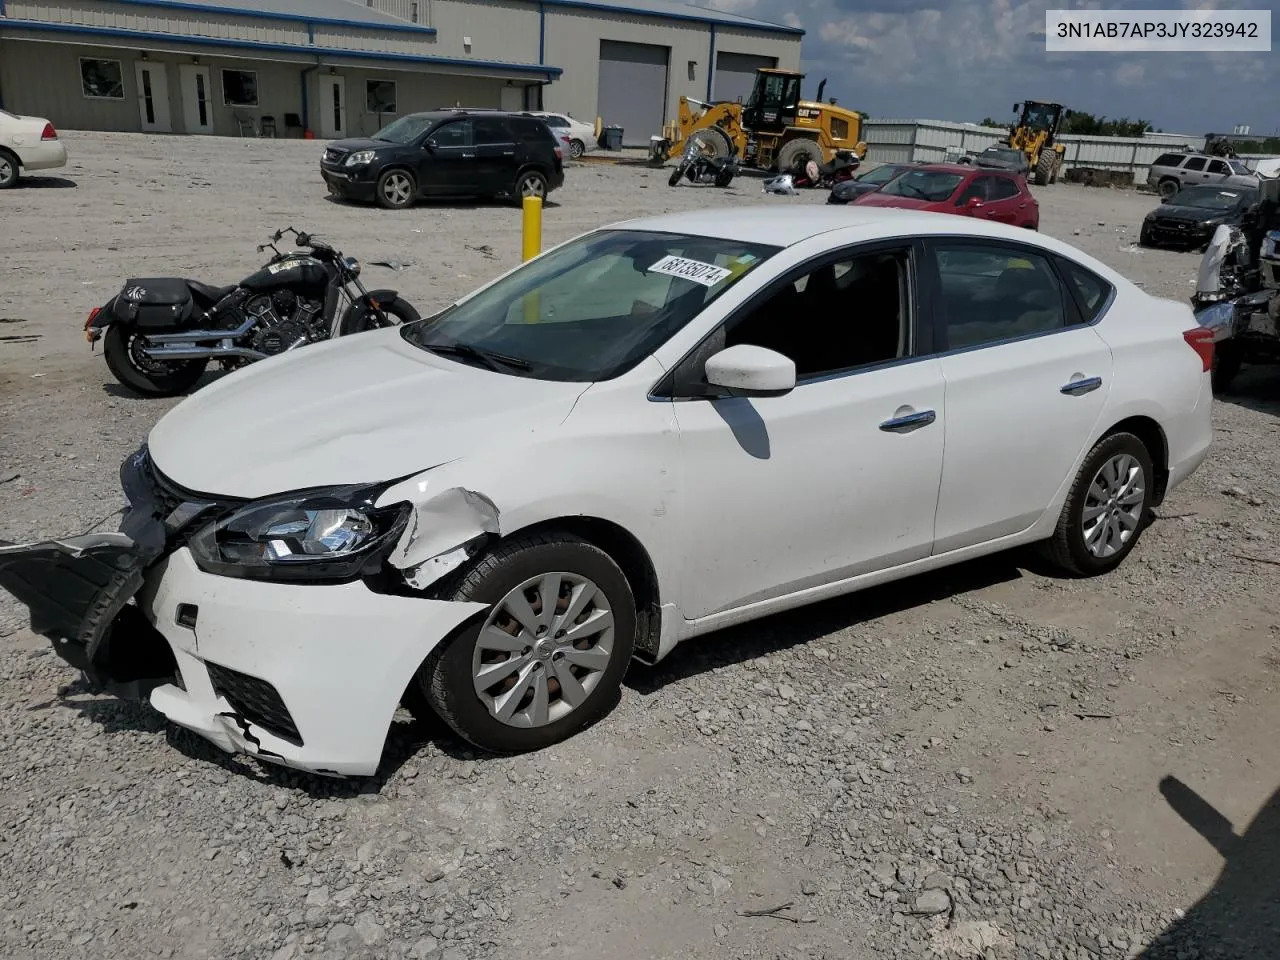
{"x":256,"y":700}
{"x":333,"y":156}
{"x":177,"y":507}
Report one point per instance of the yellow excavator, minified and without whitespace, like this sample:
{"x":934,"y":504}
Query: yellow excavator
{"x":774,"y":130}
{"x":1034,"y":133}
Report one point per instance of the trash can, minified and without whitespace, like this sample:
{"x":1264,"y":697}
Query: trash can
{"x":613,"y":138}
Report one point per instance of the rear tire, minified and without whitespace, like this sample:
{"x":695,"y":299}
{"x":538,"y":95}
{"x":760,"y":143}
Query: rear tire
{"x":157,"y":379}
{"x":1168,"y":187}
{"x":576,"y":149}
{"x":451,"y":680}
{"x":724,"y":178}
{"x":796,"y":152}
{"x":9,"y":169}
{"x":530,"y":183}
{"x":1117,"y":504}
{"x":1044,"y":167}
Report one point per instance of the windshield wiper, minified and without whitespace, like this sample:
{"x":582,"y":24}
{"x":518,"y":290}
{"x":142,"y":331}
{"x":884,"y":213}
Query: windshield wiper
{"x":486,"y":358}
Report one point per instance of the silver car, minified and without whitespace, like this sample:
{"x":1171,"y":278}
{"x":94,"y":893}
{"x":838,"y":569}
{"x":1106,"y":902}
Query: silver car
{"x":1172,"y":171}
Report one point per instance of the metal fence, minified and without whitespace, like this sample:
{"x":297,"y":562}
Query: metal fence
{"x":910,"y":141}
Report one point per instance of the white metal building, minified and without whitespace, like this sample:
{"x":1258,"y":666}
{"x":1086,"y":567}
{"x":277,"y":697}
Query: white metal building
{"x":335,"y":68}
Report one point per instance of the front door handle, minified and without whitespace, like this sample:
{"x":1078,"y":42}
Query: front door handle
{"x":1078,"y":387}
{"x":468,"y":156}
{"x":909,"y":422}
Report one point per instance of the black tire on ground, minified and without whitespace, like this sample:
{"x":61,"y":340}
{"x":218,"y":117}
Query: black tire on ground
{"x":1227,"y":361}
{"x":1044,"y":167}
{"x":396,"y":189}
{"x":796,"y":152}
{"x":1168,"y":187}
{"x":676,"y":174}
{"x":446,"y":678}
{"x":166,"y":379}
{"x":9,"y":169}
{"x":400,"y":310}
{"x":724,"y":178}
{"x":1145,"y":237}
{"x":1067,"y":549}
{"x":715,"y":140}
{"x":530,"y":183}
{"x":576,"y":149}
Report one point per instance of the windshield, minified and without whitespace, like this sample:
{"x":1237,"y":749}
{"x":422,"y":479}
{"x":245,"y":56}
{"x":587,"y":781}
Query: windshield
{"x":932,"y":185}
{"x":1208,"y":198}
{"x":1239,"y":168}
{"x":881,"y":174}
{"x":593,"y":308}
{"x":404,"y":130}
{"x":1040,"y":116}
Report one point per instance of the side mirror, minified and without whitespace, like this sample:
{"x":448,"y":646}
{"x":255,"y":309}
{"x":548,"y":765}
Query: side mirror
{"x":973,"y":203}
{"x":430,"y":145}
{"x":746,"y":370}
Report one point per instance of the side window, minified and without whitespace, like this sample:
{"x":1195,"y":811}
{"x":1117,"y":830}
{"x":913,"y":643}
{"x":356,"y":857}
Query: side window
{"x":490,"y":130}
{"x":1217,"y":166}
{"x":1002,"y":188}
{"x":994,"y":293}
{"x":839,"y":316}
{"x":455,"y":133}
{"x":1168,"y":160}
{"x":976,"y":188}
{"x":1195,"y":163}
{"x":1090,"y":290}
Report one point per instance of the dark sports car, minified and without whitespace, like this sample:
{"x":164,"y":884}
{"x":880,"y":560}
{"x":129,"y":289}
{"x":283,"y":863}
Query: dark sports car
{"x":1187,"y":220}
{"x":872,"y":179}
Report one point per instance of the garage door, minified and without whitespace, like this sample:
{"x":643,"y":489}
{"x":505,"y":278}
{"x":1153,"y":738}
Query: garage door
{"x":736,"y":74}
{"x":633,"y":89}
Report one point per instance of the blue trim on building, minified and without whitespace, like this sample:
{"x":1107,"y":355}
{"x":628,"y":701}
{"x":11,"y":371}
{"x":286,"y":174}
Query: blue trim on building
{"x":268,"y":15}
{"x":711,"y":61}
{"x":279,"y":47}
{"x":709,"y":18}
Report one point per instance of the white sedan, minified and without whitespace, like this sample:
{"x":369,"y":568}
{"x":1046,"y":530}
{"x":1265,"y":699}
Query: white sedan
{"x":578,"y":135}
{"x":27,"y":143}
{"x":650,"y":432}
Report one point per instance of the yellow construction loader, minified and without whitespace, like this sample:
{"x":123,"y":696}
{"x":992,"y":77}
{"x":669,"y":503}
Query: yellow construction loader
{"x":774,"y":130}
{"x":1034,"y":133}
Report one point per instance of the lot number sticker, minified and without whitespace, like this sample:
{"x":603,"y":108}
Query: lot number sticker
{"x":707,"y":274}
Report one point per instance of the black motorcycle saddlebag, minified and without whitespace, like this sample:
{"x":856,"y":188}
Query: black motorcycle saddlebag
{"x":155,"y":302}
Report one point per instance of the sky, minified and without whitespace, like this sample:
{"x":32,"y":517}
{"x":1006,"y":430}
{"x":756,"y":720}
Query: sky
{"x":969,"y":59}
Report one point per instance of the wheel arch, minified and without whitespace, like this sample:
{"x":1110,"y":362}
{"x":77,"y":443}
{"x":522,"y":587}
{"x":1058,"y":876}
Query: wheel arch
{"x":11,"y":152}
{"x":1152,"y":435}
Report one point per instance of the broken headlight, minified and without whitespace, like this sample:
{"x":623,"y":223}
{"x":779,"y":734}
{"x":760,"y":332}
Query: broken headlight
{"x":319,"y":535}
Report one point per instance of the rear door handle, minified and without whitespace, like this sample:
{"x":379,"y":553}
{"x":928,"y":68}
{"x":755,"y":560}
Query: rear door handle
{"x":909,"y":422}
{"x":1078,"y":387}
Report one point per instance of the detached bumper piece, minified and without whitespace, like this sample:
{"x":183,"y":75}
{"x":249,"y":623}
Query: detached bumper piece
{"x":78,"y":592}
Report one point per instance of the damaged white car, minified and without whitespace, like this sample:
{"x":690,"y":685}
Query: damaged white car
{"x":657,"y":429}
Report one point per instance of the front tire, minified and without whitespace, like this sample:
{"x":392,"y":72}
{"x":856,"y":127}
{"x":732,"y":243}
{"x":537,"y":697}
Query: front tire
{"x":796,"y":153}
{"x":1044,"y":167}
{"x":151,"y":378}
{"x":9,"y":169}
{"x":549,"y":656}
{"x":400,"y":311}
{"x":396,"y":189}
{"x":1107,"y":509}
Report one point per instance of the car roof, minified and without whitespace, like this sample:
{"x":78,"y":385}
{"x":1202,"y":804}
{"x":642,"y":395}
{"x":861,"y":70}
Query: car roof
{"x":962,"y":168}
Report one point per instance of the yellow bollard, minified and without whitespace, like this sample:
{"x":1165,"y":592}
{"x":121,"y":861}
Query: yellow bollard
{"x":532,"y":231}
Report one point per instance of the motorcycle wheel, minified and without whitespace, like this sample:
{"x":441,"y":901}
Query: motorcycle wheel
{"x":724,"y":178}
{"x":400,"y":311}
{"x":674,"y":179}
{"x":151,"y":378}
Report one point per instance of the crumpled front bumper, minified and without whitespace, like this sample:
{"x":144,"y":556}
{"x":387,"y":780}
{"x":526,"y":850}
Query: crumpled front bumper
{"x":304,"y":675}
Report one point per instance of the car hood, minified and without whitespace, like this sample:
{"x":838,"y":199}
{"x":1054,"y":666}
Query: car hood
{"x":1172,"y":211}
{"x":365,"y":408}
{"x":359,"y":143}
{"x":878,"y":198}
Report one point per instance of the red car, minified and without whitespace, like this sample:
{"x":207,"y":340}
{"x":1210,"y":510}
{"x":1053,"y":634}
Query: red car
{"x":961,"y":189}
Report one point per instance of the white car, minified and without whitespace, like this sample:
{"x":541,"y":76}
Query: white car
{"x":655,"y":430}
{"x":580,"y":136}
{"x":27,"y":143}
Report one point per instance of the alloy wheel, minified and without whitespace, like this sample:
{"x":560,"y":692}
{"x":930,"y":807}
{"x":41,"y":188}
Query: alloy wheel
{"x":396,"y":189}
{"x":1113,"y":505}
{"x":6,"y":169}
{"x":532,"y":187}
{"x":543,"y":649}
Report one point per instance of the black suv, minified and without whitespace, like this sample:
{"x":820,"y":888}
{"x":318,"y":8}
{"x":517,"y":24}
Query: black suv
{"x":447,"y":153}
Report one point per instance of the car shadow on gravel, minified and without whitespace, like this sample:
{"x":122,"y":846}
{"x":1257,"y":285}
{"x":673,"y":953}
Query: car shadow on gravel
{"x":443,"y":203}
{"x":782,"y":631}
{"x":121,"y":392}
{"x":46,"y":183}
{"x":1240,"y":915}
{"x":1255,"y":388}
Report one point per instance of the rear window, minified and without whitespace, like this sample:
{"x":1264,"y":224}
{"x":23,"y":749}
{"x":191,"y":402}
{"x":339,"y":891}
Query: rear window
{"x":1089,"y":289}
{"x":531,"y":130}
{"x":1168,"y":160}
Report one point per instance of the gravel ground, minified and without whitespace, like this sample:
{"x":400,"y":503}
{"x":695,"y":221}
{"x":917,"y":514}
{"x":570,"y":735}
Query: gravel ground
{"x":983,"y":763}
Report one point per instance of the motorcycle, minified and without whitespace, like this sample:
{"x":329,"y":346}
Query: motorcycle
{"x":696,"y":166}
{"x":1238,"y":289}
{"x":159,"y":334}
{"x":838,"y":169}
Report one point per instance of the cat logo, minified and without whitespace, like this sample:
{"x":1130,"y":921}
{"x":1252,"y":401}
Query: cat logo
{"x":136,"y":293}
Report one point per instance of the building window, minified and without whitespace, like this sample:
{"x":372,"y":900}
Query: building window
{"x":413,"y":13}
{"x":240,"y":88}
{"x":101,"y":79}
{"x":380,"y":96}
